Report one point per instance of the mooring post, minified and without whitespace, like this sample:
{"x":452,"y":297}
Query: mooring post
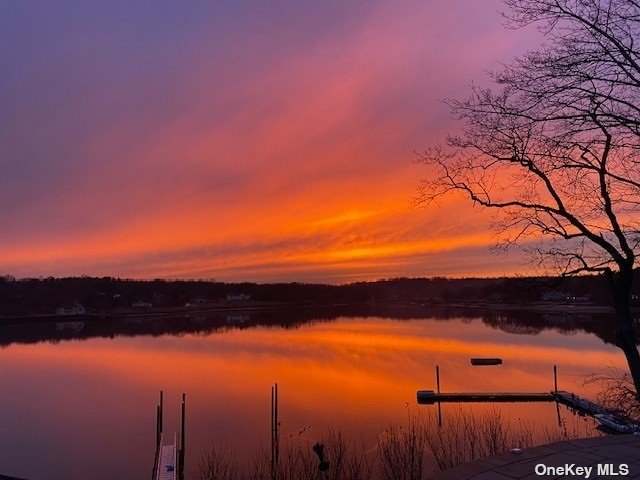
{"x":155,"y":460}
{"x":438,"y":390}
{"x":277,"y":428}
{"x":161,"y":411}
{"x":273,"y":442}
{"x":157,"y":427}
{"x":555,"y":378}
{"x":182,"y":437}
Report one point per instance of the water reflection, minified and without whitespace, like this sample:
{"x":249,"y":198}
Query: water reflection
{"x":85,"y":409}
{"x":517,"y":322}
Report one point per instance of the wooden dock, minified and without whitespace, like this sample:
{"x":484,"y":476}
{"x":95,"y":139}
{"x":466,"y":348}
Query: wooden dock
{"x":430,"y":397}
{"x":621,"y":424}
{"x":569,"y":399}
{"x":610,"y":419}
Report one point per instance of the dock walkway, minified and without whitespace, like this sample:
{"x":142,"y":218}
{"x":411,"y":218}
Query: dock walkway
{"x":613,"y":450}
{"x":166,"y":463}
{"x":581,"y":404}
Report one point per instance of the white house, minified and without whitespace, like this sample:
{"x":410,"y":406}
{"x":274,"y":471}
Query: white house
{"x":241,"y":297}
{"x":578,"y":298}
{"x":553,"y":296}
{"x":141,"y":304}
{"x":75,"y":309}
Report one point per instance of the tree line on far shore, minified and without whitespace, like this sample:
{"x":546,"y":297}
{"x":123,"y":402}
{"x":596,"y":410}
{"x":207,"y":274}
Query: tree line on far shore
{"x":37,"y":296}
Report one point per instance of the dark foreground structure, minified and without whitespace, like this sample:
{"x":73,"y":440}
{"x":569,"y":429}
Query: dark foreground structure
{"x":612,"y":453}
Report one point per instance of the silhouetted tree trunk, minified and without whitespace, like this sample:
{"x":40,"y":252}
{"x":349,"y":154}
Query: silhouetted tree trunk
{"x":625,"y":332}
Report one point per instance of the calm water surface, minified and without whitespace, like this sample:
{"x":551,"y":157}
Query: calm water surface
{"x":78,"y":400}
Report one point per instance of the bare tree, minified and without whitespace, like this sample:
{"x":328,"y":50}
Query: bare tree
{"x":554,"y":146}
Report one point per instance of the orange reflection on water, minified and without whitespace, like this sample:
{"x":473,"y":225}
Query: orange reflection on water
{"x":355,"y":374}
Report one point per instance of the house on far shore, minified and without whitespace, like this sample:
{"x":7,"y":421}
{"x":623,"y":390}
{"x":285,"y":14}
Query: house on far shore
{"x":554,"y":296}
{"x":241,"y":297}
{"x":70,"y":310}
{"x":141,"y":304}
{"x":197,"y":301}
{"x":578,"y":298}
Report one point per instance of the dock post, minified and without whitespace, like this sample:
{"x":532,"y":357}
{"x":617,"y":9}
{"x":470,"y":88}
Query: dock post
{"x":158,"y":433}
{"x":161,"y":410}
{"x":275,"y":433}
{"x":273,"y":456}
{"x":157,"y":426}
{"x":277,"y":425}
{"x":555,"y":378}
{"x":182,"y":438}
{"x":438,"y":390}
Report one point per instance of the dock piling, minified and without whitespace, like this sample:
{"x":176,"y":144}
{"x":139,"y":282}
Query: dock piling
{"x":275,"y":430}
{"x":161,"y":409}
{"x":438,"y":390}
{"x":182,"y":437}
{"x":555,"y":378}
{"x":158,"y":433}
{"x":157,"y":426}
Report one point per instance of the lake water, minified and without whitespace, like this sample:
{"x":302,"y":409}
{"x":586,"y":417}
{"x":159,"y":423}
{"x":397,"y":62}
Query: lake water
{"x":78,"y":399}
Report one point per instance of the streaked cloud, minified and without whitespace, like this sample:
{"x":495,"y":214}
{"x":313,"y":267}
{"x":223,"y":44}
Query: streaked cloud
{"x":236,"y":141}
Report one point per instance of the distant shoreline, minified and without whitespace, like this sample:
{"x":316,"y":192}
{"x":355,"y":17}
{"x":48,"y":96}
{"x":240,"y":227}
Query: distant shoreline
{"x":149,"y":312}
{"x":541,"y":307}
{"x":101,"y":299}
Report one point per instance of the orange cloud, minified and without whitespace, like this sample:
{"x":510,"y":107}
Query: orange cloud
{"x":249,"y":160}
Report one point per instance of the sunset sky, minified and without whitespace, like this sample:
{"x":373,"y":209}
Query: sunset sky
{"x":238,"y":140}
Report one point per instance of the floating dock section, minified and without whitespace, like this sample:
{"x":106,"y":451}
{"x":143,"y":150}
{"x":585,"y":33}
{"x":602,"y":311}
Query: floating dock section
{"x":486,"y":361}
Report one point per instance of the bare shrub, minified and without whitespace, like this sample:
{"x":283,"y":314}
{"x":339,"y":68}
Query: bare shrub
{"x":298,"y":462}
{"x":402,"y":451}
{"x":217,"y":462}
{"x":294,"y":463}
{"x":466,"y":436}
{"x":617,"y":391}
{"x":347,"y":461}
{"x":410,"y":451}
